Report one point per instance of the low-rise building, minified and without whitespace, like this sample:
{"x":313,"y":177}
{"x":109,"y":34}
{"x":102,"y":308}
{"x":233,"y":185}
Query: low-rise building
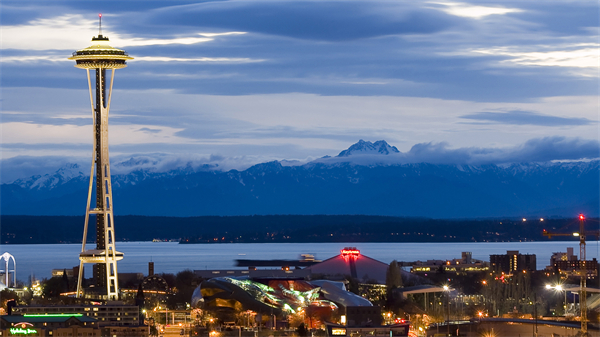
{"x":115,"y":313}
{"x":465,"y":265}
{"x":574,"y":268}
{"x":49,"y":325}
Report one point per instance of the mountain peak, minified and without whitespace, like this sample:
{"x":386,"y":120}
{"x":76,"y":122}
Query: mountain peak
{"x":62,"y":175}
{"x":366,"y":147}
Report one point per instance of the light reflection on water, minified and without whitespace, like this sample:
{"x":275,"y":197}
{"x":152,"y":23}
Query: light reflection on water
{"x":171,"y":257}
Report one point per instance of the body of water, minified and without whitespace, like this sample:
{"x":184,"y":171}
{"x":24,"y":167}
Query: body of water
{"x":171,"y":257}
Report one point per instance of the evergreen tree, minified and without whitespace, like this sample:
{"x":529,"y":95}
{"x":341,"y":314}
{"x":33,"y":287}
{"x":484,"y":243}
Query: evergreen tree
{"x":393,"y":280}
{"x":393,"y":276}
{"x":65,"y":281}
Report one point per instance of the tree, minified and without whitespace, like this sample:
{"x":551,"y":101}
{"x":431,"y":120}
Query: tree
{"x":302,"y":330}
{"x":7,"y":295}
{"x":393,"y":276}
{"x":52,"y":287}
{"x":352,"y":284}
{"x":184,"y":284}
{"x":153,"y":330}
{"x":65,"y":281}
{"x":393,"y":280}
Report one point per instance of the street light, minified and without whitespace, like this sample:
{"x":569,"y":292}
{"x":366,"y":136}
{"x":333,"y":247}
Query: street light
{"x":559,"y":288}
{"x":447,"y":291}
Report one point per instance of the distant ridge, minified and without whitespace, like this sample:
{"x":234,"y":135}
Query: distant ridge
{"x":367,"y":178}
{"x":18,"y":229}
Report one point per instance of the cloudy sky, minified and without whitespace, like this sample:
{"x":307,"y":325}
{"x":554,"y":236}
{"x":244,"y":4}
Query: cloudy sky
{"x":240,"y":82}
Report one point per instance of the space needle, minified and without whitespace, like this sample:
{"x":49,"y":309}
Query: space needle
{"x":100,"y":57}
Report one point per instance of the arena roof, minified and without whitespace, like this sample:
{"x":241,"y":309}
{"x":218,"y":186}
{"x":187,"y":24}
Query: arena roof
{"x":351,"y":262}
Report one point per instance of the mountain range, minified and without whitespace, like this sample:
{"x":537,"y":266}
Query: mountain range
{"x":360,"y":180}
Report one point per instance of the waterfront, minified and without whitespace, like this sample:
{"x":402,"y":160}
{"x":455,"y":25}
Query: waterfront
{"x":171,"y":257}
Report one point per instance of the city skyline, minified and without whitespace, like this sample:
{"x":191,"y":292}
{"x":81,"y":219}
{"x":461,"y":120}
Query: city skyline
{"x":242,"y":82}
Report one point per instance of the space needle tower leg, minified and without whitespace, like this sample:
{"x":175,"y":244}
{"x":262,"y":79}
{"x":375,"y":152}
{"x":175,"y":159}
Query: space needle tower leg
{"x":100,"y":57}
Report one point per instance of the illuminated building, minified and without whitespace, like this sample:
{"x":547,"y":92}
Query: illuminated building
{"x":107,"y":315}
{"x":512,"y":262}
{"x":394,"y":330}
{"x":563,"y":256}
{"x":367,"y":321}
{"x":463,"y":266}
{"x":100,"y":57}
{"x":573,"y":268}
{"x":48,"y":325}
{"x":275,"y":299}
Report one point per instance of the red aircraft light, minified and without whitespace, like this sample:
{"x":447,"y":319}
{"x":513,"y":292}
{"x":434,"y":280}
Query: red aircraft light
{"x":581,"y":217}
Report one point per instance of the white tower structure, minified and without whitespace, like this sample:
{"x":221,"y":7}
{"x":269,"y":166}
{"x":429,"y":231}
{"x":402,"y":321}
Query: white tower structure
{"x":6,"y":257}
{"x":100,"y":57}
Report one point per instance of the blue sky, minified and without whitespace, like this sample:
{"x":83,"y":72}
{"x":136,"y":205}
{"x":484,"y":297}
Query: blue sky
{"x":241,"y":82}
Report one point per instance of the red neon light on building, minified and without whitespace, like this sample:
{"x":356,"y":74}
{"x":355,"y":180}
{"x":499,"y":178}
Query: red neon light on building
{"x":350,"y":252}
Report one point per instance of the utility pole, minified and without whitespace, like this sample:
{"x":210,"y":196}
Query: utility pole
{"x":535,"y":331}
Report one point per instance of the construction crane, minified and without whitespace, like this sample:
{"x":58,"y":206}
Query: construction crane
{"x":582,"y":268}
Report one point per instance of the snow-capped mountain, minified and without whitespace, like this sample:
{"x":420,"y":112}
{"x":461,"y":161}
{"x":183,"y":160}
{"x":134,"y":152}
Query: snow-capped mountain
{"x":366,"y":147}
{"x":335,"y":185}
{"x":49,"y":181}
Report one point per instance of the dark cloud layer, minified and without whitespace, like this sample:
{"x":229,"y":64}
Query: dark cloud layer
{"x":545,"y":149}
{"x":27,"y":166}
{"x":517,"y":117}
{"x":327,"y":21}
{"x":567,"y":19}
{"x":327,"y":48}
{"x":534,"y":150}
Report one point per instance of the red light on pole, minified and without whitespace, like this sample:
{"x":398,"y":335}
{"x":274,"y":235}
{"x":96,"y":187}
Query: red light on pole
{"x":99,"y":15}
{"x":581,"y":217}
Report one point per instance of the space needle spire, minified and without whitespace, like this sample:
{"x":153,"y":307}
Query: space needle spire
{"x":100,"y":57}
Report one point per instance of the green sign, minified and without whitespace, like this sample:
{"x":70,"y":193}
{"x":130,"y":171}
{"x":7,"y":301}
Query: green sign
{"x":52,"y":315}
{"x":23,"y":331}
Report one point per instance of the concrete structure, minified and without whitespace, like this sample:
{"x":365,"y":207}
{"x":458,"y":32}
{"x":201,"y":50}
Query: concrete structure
{"x":512,"y":262}
{"x":100,"y":57}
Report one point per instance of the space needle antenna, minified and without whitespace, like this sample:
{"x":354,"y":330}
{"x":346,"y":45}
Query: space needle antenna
{"x":99,"y":24}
